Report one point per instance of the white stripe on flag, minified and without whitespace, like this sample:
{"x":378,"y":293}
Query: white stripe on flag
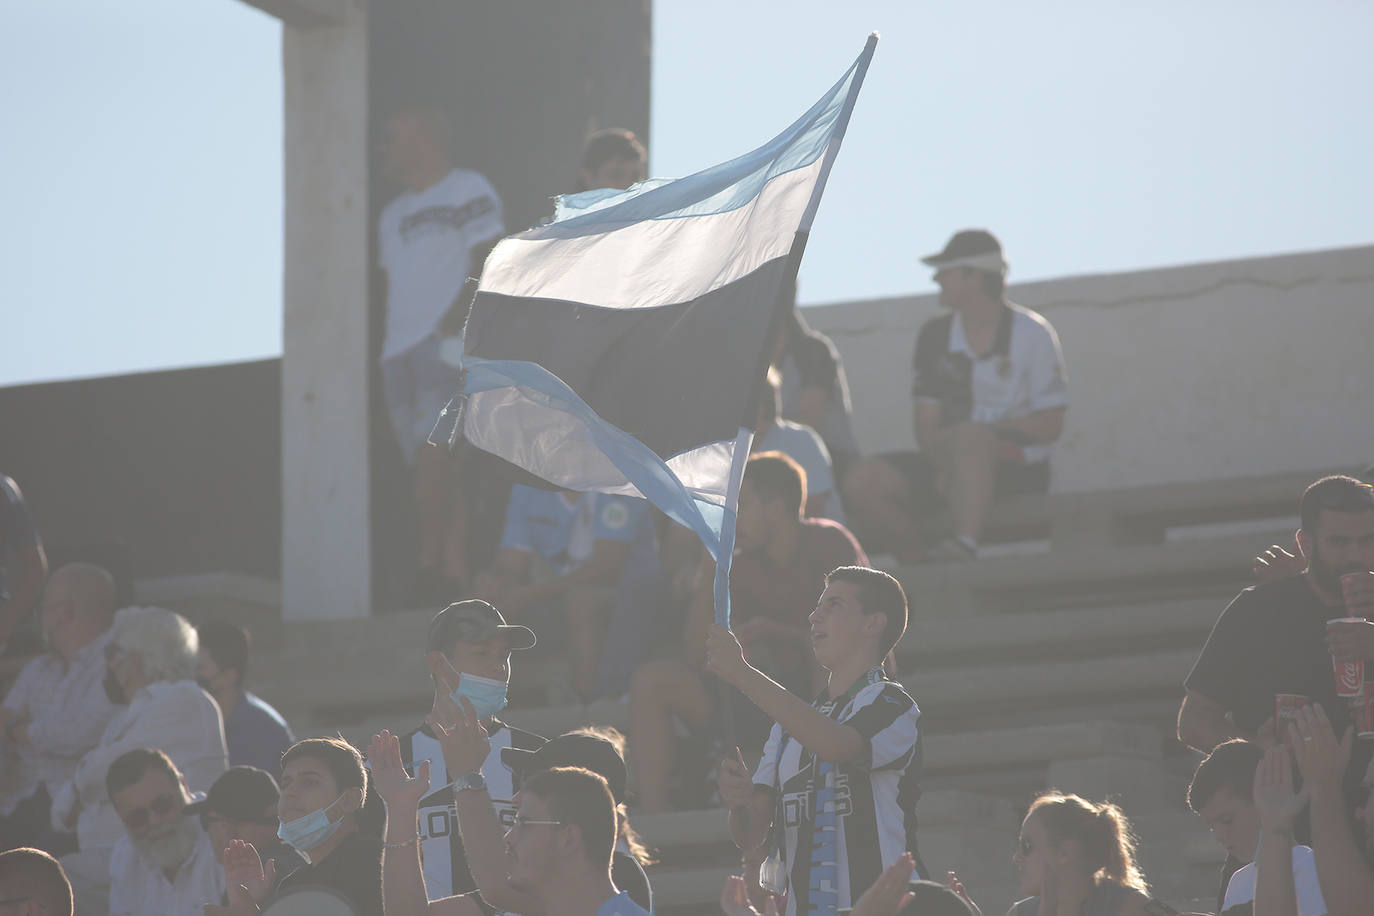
{"x":655,"y":262}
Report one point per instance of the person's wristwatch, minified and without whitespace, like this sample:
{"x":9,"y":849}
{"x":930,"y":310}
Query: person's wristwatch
{"x":473,"y":780}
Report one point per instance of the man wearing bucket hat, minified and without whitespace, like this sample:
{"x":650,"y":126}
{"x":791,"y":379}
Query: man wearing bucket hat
{"x":472,"y":640}
{"x":989,"y":400}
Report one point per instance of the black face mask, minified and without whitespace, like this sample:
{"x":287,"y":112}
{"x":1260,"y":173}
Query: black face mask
{"x":113,"y":690}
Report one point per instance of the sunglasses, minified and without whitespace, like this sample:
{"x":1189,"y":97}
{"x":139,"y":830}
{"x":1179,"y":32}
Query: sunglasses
{"x":521,"y":821}
{"x":137,"y":819}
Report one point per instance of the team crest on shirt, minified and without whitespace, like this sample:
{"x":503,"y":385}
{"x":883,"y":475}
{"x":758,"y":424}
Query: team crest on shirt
{"x":614,"y":515}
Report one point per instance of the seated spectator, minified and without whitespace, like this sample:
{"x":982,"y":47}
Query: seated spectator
{"x":612,"y":158}
{"x":23,"y":568}
{"x":56,"y":710}
{"x":802,"y":445}
{"x":323,"y":787}
{"x":844,"y":772}
{"x":1081,"y":854}
{"x":256,"y":734}
{"x":780,"y":563}
{"x":894,"y":893}
{"x":990,"y":398}
{"x":813,"y":387}
{"x":472,"y":640}
{"x":164,"y":863}
{"x":34,"y":877}
{"x":561,"y":555}
{"x":1346,"y":876}
{"x":150,"y":661}
{"x":242,"y":805}
{"x":1222,"y":793}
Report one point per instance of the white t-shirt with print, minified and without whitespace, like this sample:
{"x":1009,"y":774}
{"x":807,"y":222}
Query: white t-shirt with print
{"x":426,"y":241}
{"x":1240,"y":891}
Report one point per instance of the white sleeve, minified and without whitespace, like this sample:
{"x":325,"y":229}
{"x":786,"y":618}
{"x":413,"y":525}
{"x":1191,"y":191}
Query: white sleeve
{"x":885,"y":715}
{"x":1310,"y":900}
{"x":1048,"y":378}
{"x":767,"y":772}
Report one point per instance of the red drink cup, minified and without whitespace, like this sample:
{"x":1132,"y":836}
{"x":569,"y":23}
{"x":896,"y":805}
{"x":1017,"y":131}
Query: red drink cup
{"x":1286,"y":706}
{"x":1349,"y":675}
{"x":1362,"y":714}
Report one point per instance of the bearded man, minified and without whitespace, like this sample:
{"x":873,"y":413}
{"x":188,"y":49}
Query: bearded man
{"x":164,"y":863}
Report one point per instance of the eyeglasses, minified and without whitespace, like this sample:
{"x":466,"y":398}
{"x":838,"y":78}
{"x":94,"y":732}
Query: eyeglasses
{"x":521,"y":821}
{"x":1024,"y":846}
{"x":137,"y":819}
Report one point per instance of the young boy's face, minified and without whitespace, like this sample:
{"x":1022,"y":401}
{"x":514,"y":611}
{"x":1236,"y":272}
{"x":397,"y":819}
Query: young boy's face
{"x":489,"y":658}
{"x":1234,"y":822}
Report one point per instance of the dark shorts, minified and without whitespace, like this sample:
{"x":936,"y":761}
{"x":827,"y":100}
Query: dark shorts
{"x":926,"y":504}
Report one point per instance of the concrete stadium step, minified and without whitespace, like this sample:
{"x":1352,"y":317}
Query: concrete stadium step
{"x":250,"y":601}
{"x":938,"y":809}
{"x":1086,"y":577}
{"x":1055,"y":634}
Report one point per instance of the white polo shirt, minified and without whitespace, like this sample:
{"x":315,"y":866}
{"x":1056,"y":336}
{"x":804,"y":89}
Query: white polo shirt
{"x":1023,"y":373}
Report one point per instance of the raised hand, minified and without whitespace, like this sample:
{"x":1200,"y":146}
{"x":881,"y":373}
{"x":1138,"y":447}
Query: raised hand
{"x":1322,"y":759}
{"x":243,"y":867}
{"x":1275,"y":801}
{"x":1277,"y":563}
{"x":461,"y":735}
{"x":724,"y":657}
{"x":889,"y":893}
{"x":953,"y":883}
{"x":735,"y":782}
{"x":398,"y":789}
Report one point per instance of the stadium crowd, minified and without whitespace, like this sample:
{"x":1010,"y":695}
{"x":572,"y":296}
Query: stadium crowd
{"x":139,"y":775}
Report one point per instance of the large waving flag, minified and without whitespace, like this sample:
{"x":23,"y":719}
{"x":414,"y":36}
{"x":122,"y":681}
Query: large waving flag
{"x":620,"y":347}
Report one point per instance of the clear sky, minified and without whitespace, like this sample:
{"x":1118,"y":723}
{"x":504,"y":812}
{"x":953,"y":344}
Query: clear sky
{"x":142,"y":156}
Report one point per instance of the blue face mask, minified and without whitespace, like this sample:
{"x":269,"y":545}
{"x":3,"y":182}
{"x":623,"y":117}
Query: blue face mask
{"x":487,"y":696}
{"x":309,"y":830}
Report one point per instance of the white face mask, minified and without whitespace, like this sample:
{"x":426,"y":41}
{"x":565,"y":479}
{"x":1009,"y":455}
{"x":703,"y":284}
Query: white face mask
{"x":309,"y":830}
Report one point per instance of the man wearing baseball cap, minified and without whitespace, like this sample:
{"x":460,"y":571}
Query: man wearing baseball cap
{"x":472,"y":639}
{"x":989,"y":399}
{"x":242,"y":805}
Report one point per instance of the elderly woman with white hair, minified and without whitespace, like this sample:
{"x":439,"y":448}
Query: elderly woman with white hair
{"x":150,"y":666}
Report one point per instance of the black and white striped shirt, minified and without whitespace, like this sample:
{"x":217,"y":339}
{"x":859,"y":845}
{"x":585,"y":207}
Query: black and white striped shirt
{"x":875,"y":798}
{"x":441,"y":848}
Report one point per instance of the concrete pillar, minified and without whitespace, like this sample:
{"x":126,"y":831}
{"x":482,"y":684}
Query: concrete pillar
{"x":326,"y":528}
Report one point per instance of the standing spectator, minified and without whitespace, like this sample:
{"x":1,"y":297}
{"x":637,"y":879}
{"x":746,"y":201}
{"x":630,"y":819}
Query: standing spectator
{"x":323,"y":787}
{"x":800,"y":443}
{"x":990,"y":397}
{"x":150,"y":662}
{"x":473,"y":641}
{"x":164,"y":862}
{"x":256,"y":734}
{"x":779,"y":567}
{"x":561,"y":555}
{"x":844,"y":771}
{"x":23,"y":568}
{"x":431,"y":239}
{"x":612,"y":158}
{"x":35,"y":877}
{"x":242,"y":805}
{"x":814,"y":389}
{"x":1076,"y":856}
{"x":1273,"y":638}
{"x":57,"y":709}
{"x":1223,"y":794}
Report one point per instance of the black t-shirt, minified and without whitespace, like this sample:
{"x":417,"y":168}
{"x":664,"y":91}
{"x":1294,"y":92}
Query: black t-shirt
{"x":1271,"y":639}
{"x":353,"y":869}
{"x":628,"y":875}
